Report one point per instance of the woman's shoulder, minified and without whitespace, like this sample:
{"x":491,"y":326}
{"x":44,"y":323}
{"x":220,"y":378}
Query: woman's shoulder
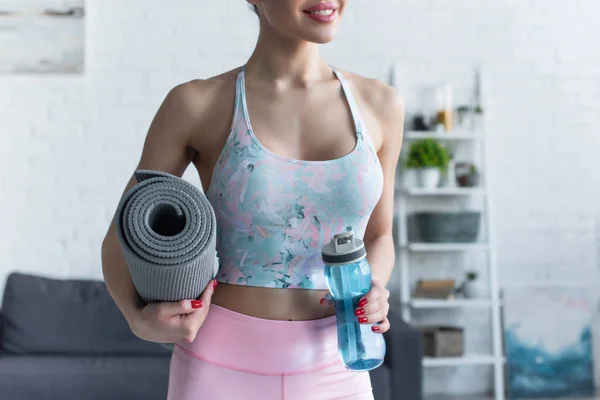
{"x":201,"y":93}
{"x":376,"y":94}
{"x":383,"y":102}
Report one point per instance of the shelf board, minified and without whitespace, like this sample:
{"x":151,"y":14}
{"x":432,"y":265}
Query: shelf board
{"x":469,"y":359}
{"x":446,"y":246}
{"x":443,"y":191}
{"x":415,"y":135}
{"x":482,"y":396}
{"x":450,"y":303}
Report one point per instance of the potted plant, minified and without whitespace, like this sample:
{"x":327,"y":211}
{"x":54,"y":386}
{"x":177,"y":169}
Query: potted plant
{"x":462,"y":113}
{"x":429,"y":158}
{"x":477,"y":118}
{"x":467,"y":175}
{"x":471,"y":287}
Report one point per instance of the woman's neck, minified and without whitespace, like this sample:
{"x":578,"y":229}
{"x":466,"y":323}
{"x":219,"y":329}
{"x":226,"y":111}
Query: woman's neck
{"x":286,"y":61}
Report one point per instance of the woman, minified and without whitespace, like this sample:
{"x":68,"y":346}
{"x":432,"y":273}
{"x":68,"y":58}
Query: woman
{"x":290,"y":151}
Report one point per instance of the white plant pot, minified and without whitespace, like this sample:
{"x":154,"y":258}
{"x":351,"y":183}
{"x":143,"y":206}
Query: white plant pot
{"x":474,"y":290}
{"x":428,"y":178}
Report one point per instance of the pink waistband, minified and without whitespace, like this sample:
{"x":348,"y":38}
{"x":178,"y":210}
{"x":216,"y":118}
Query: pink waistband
{"x":263,"y":346}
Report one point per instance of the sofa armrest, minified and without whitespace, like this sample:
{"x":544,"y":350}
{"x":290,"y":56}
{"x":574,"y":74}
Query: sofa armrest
{"x":404,"y":358}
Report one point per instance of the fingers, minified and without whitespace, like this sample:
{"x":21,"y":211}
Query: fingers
{"x":184,"y":307}
{"x":374,"y":314}
{"x":327,"y":300}
{"x":208,"y":292}
{"x":381,"y":327}
{"x":370,"y":304}
{"x":175,"y":308}
{"x":373,"y":308}
{"x":193,"y":321}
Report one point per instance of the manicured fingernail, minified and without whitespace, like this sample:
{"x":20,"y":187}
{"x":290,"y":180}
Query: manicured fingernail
{"x":359,"y":311}
{"x":375,"y":328}
{"x":362,"y":320}
{"x":362,"y":303}
{"x":215,"y":283}
{"x":322,"y":301}
{"x":196,"y":303}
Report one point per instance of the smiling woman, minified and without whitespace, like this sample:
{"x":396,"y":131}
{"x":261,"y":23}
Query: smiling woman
{"x":291,"y":151}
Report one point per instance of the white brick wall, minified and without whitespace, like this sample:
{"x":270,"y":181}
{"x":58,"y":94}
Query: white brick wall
{"x":69,"y":143}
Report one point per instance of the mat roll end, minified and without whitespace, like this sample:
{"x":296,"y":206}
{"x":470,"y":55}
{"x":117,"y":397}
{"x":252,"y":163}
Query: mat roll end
{"x":167,"y":231}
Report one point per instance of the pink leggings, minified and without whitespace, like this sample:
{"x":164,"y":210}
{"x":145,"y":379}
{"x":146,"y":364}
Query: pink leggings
{"x":238,"y":357}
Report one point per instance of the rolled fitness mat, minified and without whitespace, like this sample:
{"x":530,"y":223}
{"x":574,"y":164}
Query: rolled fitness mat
{"x":167,"y":230}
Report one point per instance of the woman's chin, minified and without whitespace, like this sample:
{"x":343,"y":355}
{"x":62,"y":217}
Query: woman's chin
{"x":320,"y":37}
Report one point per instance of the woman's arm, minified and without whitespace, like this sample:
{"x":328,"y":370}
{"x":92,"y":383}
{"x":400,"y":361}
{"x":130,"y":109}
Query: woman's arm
{"x":165,"y":149}
{"x":379,"y":240}
{"x":373,"y":307}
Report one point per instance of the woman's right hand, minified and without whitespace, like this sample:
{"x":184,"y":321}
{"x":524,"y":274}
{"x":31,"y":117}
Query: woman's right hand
{"x":173,"y":322}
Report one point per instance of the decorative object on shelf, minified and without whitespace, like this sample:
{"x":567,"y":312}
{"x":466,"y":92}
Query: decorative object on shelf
{"x":434,"y":289}
{"x":548,"y":339}
{"x":420,"y":123}
{"x":429,"y":158}
{"x":436,"y":106}
{"x":471,"y":287}
{"x":443,"y":341}
{"x":466,"y":174}
{"x":462,"y":118}
{"x":42,"y":36}
{"x":444,"y":107}
{"x":477,"y":119}
{"x":447,"y":227}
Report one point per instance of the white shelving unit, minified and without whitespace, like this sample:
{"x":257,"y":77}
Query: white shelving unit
{"x":407,"y":249}
{"x":471,"y":359}
{"x":458,"y":303}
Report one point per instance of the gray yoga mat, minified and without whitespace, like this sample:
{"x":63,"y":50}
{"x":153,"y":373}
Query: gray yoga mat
{"x":167,"y":230}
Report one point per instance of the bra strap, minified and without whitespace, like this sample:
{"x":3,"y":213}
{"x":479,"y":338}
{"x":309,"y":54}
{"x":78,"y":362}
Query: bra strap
{"x":358,"y":122}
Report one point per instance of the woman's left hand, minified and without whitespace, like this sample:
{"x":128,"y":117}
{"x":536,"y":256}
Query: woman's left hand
{"x":373,"y":307}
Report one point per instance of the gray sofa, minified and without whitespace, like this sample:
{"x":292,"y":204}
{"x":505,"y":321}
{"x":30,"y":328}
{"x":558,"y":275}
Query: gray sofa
{"x":66,"y":339}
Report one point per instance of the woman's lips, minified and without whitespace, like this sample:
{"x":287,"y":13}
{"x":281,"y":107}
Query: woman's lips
{"x":322,"y":12}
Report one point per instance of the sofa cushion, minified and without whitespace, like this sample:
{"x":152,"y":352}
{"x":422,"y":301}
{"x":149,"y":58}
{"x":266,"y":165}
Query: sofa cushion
{"x":76,"y":316}
{"x":26,"y":377}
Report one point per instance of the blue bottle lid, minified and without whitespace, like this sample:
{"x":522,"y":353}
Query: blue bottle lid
{"x":343,"y":249}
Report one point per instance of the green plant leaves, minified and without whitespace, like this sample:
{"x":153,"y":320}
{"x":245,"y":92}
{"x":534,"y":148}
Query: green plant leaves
{"x":428,"y":153}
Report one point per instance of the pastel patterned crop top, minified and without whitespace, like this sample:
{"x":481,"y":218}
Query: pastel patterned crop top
{"x":274,"y":214}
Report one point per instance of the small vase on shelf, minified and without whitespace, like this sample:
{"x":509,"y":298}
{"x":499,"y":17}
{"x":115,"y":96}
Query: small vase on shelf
{"x":477,"y":120}
{"x":471,"y":287}
{"x":428,"y":178}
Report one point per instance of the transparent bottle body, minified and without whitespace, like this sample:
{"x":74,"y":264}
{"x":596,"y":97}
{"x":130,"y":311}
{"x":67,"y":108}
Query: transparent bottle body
{"x":360,"y":348}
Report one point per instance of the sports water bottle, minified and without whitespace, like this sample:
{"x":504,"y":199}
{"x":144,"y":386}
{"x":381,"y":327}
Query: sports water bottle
{"x":348,"y":276}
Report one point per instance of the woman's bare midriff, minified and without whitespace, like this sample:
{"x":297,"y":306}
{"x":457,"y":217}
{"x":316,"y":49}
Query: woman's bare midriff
{"x":274,"y":304}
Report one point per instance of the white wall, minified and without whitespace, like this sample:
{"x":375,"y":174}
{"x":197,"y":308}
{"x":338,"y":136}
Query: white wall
{"x":69,"y":143}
